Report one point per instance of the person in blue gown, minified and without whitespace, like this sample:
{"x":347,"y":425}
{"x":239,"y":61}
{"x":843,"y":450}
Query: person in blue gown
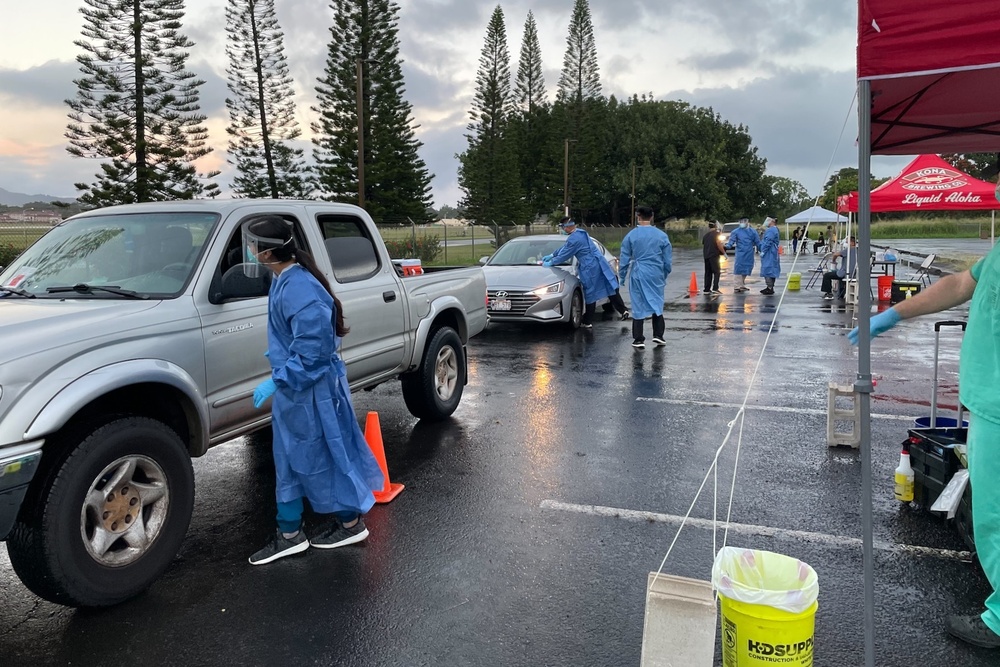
{"x":597,"y":277}
{"x":646,"y":259}
{"x":770,"y":265}
{"x":320,"y":453}
{"x":746,"y":241}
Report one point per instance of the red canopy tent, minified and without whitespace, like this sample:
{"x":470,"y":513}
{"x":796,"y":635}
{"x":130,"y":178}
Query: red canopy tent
{"x":927,"y":184}
{"x":934,"y":69}
{"x":928,"y":82}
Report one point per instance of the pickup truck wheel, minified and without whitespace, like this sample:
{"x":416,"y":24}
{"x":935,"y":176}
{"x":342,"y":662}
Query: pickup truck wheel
{"x":109,"y":521}
{"x":575,"y":310}
{"x":434,"y":390}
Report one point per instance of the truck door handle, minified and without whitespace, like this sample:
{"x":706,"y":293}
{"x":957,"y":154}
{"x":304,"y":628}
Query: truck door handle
{"x":389,"y":296}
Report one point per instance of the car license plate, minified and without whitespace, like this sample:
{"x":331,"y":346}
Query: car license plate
{"x":500,"y":304}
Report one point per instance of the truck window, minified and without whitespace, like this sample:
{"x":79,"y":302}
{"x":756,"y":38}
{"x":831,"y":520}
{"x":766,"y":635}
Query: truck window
{"x":351,"y":251}
{"x":230,"y":281}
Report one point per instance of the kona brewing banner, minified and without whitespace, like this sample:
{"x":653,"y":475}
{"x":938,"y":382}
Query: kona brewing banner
{"x":927,"y":184}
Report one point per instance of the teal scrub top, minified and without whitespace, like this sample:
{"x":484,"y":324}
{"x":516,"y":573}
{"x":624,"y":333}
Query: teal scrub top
{"x":979,"y":366}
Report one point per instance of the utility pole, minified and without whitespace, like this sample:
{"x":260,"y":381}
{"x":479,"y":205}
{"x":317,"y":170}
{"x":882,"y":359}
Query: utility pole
{"x":566,"y":176}
{"x":631,"y":220}
{"x":360,"y":66}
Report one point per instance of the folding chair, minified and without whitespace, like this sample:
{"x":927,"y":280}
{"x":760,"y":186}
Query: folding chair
{"x":922,"y":273}
{"x":819,"y":270}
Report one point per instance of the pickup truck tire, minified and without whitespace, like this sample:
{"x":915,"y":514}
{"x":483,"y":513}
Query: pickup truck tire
{"x":109,"y":518}
{"x":434,"y":390}
{"x":575,"y":310}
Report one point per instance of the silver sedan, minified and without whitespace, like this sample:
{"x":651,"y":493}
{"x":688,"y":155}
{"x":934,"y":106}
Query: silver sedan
{"x":522,"y":290}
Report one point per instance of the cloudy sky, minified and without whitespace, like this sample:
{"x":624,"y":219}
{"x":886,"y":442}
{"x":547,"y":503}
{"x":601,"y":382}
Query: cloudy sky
{"x":782,"y":68}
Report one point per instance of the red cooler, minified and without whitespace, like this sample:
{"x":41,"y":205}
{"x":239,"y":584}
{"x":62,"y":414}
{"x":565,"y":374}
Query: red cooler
{"x":885,"y":288}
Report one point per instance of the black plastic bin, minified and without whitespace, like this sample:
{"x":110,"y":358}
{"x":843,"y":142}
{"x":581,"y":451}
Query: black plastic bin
{"x":934,"y":462}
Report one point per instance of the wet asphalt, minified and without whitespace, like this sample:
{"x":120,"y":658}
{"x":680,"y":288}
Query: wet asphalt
{"x":494,"y":555}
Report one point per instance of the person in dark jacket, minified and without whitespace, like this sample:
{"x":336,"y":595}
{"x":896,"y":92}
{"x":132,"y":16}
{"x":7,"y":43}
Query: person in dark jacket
{"x":712,"y":250}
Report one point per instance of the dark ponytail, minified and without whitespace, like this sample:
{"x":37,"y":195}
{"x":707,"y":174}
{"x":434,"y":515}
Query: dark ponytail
{"x":273,"y":227}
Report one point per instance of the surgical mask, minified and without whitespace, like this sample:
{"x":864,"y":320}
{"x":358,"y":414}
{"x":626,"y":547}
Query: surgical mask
{"x":563,"y":232}
{"x":743,"y":225}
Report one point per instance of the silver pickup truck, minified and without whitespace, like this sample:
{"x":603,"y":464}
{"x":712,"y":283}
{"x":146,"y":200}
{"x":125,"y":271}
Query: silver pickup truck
{"x":132,"y":340}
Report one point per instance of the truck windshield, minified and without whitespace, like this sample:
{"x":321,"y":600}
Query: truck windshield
{"x":148,"y":254}
{"x":526,"y":251}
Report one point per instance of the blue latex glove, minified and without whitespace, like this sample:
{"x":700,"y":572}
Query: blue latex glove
{"x":264,"y":391}
{"x":267,"y":353}
{"x":879,"y":325}
{"x":547,"y":258}
{"x":546,"y":262}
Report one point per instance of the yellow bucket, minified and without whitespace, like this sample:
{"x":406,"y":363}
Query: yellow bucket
{"x":794,"y":282}
{"x":768,"y":608}
{"x":755,"y":635}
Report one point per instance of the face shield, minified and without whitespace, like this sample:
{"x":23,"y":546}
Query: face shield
{"x":253,"y":246}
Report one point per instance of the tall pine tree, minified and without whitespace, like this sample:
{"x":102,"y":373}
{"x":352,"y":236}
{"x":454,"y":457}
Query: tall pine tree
{"x":488,"y":168}
{"x":261,"y":110}
{"x":136,"y":107}
{"x":530,"y":124}
{"x":583,"y":115}
{"x":397,"y":183}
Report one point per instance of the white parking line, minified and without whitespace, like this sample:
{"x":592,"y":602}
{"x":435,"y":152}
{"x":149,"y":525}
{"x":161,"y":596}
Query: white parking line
{"x":749,"y":529}
{"x":762,"y":408}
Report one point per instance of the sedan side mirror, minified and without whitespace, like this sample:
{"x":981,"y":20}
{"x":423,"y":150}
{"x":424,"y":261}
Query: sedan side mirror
{"x":483,"y":260}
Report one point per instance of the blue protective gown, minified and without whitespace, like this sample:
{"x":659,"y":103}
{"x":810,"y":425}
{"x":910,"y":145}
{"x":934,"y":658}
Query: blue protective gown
{"x":596,"y":276}
{"x":744,"y":240}
{"x":320,"y":452}
{"x":647,"y":251}
{"x":770,"y":265}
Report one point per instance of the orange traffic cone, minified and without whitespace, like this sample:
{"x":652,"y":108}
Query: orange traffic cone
{"x":693,"y":288}
{"x":373,"y":436}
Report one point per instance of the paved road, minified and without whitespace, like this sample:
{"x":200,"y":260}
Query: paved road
{"x":531,"y":519}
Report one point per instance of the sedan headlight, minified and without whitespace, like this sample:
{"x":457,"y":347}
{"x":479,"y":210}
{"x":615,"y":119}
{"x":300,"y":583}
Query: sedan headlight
{"x":554,"y":288}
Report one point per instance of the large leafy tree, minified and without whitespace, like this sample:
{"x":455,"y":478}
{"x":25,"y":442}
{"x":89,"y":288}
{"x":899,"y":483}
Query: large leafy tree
{"x":488,"y":172}
{"x":581,"y":116}
{"x":687,"y":162}
{"x":531,"y":124}
{"x":397,"y":183}
{"x":984,"y":166}
{"x":136,"y":107}
{"x":262,"y":121}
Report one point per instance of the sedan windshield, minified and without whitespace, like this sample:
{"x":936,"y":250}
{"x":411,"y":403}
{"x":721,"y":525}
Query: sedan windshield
{"x":520,"y":252}
{"x":111,"y":256}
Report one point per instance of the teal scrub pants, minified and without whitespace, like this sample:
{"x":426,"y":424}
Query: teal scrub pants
{"x":984,"y":471}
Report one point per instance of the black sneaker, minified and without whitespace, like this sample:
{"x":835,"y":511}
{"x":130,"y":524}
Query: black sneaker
{"x":279,"y":547}
{"x":706,"y":291}
{"x":973,"y":630}
{"x":828,"y":296}
{"x":626,"y":316}
{"x":716,"y":291}
{"x":639,"y":345}
{"x":586,"y":325}
{"x":337,"y":535}
{"x":767,"y":291}
{"x":657,"y":341}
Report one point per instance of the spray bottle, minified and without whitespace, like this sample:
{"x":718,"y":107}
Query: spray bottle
{"x":904,"y":477}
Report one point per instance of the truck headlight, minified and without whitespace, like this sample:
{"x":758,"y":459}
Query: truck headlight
{"x":554,"y":288}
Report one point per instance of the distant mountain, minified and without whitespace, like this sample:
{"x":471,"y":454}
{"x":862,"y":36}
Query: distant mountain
{"x":8,"y":198}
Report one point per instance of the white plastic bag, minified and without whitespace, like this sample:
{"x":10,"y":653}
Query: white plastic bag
{"x":950,"y":498}
{"x":765,"y":578}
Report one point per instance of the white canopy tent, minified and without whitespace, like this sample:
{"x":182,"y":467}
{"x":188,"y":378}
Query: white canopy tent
{"x":817,"y":215}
